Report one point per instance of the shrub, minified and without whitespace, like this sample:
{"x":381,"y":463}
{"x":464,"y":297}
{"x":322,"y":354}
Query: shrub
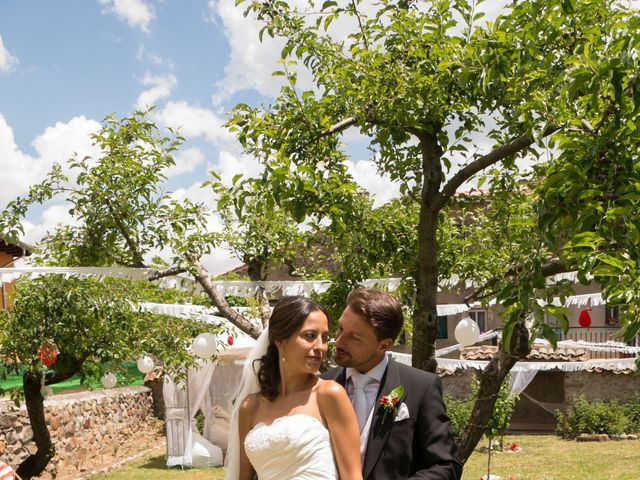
{"x":459,"y":412}
{"x":632,"y":412}
{"x":595,"y":417}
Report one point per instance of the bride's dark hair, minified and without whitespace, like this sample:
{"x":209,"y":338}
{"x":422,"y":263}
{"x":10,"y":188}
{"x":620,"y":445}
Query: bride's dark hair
{"x":287,"y":317}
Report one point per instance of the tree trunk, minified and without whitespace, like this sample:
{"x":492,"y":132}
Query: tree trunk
{"x":491,"y":380}
{"x":35,"y":464}
{"x":257,"y":270}
{"x":425,"y":316}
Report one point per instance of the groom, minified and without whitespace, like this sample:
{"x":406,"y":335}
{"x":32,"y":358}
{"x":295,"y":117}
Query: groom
{"x":413,"y":439}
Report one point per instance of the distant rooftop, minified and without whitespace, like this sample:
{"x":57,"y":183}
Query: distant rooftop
{"x":17,"y":249}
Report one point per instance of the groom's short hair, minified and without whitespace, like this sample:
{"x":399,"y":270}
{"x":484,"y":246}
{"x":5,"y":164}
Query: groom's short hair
{"x":381,"y":310}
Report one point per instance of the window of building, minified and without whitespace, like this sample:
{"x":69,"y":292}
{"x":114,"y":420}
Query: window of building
{"x":612,"y":316}
{"x":442,"y":327}
{"x":479,"y":316}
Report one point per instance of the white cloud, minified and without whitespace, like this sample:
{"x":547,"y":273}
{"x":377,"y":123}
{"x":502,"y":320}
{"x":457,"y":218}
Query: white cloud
{"x":7,"y":60}
{"x":154,"y":58}
{"x":365,"y":173}
{"x":251,"y":62}
{"x":220,"y":261}
{"x":230,"y":165}
{"x":137,"y":13}
{"x":193,"y":121}
{"x":161,"y":86}
{"x":51,"y":217}
{"x":55,"y":145}
{"x":186,"y":161}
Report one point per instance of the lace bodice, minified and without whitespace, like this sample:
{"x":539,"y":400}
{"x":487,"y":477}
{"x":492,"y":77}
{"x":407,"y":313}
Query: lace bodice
{"x":292,"y":447}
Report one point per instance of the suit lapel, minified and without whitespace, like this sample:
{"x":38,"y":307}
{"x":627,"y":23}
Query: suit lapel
{"x":380,"y":430}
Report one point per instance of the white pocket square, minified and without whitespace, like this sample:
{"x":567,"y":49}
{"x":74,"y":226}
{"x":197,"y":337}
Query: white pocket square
{"x":403,"y":413}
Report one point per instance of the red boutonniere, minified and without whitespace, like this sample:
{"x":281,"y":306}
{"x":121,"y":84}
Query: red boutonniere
{"x":390,"y":402}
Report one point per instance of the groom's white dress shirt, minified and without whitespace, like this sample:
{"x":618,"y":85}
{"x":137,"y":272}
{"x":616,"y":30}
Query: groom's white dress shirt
{"x":372,"y":378}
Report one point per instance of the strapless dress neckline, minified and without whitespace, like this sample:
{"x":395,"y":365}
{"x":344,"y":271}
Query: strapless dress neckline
{"x":291,"y":447}
{"x":278,"y":420}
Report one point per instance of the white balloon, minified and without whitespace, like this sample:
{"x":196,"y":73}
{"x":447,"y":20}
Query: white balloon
{"x":467,"y":332}
{"x":146,"y":364}
{"x":46,"y":391}
{"x":204,"y":345}
{"x":109,"y":380}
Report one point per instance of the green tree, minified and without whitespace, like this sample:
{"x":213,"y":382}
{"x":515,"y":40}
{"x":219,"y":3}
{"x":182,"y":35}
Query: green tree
{"x":94,"y":325}
{"x":123,"y":213}
{"x":422,"y":80}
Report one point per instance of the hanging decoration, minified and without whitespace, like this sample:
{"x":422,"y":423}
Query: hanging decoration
{"x":467,"y":332}
{"x":145,"y":364}
{"x":46,"y":391}
{"x":584,"y":319}
{"x":109,"y":380}
{"x":204,"y":345}
{"x":230,"y":341}
{"x":47,"y":354}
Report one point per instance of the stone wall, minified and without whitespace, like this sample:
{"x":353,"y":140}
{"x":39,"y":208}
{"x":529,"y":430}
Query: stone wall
{"x":90,"y":430}
{"x":551,"y":390}
{"x":601,"y":386}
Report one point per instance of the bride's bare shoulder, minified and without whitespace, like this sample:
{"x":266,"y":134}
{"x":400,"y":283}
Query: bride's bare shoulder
{"x":250,"y":404}
{"x":330,"y":389}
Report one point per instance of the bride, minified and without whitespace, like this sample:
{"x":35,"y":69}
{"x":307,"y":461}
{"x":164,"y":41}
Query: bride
{"x":288,"y":423}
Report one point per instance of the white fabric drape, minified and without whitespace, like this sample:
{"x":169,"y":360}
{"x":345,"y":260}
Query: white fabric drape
{"x":618,"y":364}
{"x":248,"y":385}
{"x":452,"y":308}
{"x":588,"y":299}
{"x":185,"y":446}
{"x":441,"y":352}
{"x":519,"y":381}
{"x":8,"y":274}
{"x":177,"y":420}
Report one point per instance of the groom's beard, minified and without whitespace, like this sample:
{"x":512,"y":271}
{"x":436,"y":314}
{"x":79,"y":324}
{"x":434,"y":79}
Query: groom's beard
{"x":343,"y":358}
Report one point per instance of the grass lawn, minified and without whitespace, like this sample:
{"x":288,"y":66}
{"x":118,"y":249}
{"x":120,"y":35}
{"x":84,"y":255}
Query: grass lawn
{"x":153,"y":468}
{"x":73,"y":384}
{"x":542,"y":458}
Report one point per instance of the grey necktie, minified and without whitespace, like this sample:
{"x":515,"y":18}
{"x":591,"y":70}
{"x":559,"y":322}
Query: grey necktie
{"x":359,"y":381}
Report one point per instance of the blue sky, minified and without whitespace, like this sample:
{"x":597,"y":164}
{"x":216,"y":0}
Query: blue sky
{"x":64,"y":65}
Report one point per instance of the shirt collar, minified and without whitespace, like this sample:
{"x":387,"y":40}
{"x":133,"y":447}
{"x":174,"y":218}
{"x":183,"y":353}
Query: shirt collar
{"x":376,"y":372}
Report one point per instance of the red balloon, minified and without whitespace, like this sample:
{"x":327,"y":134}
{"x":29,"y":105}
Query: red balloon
{"x":584,"y":319}
{"x":230,"y":340}
{"x":47,"y":355}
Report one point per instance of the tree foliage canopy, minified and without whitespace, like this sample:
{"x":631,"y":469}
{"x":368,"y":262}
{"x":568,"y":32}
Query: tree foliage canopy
{"x":447,"y":98}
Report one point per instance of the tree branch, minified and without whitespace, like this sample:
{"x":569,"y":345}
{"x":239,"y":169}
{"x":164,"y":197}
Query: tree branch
{"x":202,"y":277}
{"x":337,"y":128}
{"x":553,"y":267}
{"x":357,"y":14}
{"x":166,"y":273}
{"x":491,"y":158}
{"x":123,"y":231}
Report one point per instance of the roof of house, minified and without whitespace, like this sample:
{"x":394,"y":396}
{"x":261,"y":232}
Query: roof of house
{"x":538,"y":353}
{"x":15,"y":249}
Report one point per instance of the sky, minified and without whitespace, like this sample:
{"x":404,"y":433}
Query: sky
{"x":65,"y":65}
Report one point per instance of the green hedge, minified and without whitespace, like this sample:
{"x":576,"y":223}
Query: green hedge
{"x":598,"y":417}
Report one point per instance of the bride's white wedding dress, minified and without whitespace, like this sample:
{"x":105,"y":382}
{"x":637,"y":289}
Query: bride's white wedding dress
{"x":292,"y":447}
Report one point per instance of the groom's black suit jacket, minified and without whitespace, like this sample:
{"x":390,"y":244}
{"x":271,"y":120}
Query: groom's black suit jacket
{"x":420,"y":447}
